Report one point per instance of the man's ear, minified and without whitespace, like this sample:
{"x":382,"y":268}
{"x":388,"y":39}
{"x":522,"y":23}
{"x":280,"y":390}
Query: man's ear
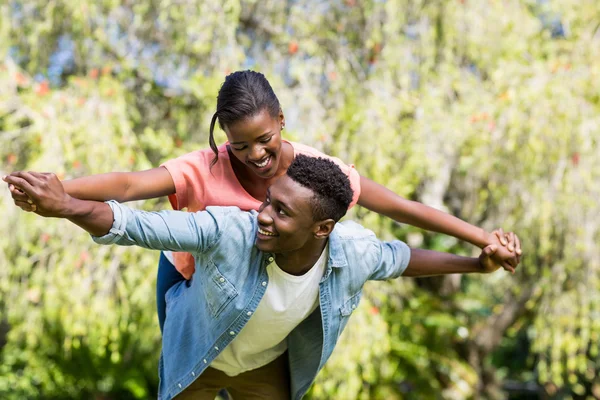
{"x":322,"y":229}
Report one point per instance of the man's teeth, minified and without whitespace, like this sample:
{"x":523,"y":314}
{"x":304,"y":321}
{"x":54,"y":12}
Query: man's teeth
{"x":263,"y":164}
{"x":265,"y":232}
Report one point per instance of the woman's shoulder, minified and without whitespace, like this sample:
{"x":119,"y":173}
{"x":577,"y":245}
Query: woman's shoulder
{"x":201,"y":158}
{"x":300,"y":148}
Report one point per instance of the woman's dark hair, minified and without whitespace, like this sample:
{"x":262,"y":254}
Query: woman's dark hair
{"x":244,"y":94}
{"x":330,"y":185}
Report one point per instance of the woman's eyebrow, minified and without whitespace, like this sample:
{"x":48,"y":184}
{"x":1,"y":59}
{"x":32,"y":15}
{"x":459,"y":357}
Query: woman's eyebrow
{"x":260,"y":137}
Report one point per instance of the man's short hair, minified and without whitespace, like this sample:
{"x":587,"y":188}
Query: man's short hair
{"x":331,"y":187}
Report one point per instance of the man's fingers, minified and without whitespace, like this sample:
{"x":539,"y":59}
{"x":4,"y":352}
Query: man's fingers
{"x":17,"y":194}
{"x":30,"y":177}
{"x":24,"y":206}
{"x":16,"y":179}
{"x":508,"y":267}
{"x":42,"y":176}
{"x":14,"y":189}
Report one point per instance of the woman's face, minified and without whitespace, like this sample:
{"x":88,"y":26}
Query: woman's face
{"x":256,"y":142}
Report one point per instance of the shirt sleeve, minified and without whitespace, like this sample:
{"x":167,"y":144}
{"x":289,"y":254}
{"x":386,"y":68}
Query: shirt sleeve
{"x":187,"y":172}
{"x":165,"y":230}
{"x":394,"y":257}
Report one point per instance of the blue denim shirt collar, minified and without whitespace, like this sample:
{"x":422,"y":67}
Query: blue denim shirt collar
{"x":337,"y":257}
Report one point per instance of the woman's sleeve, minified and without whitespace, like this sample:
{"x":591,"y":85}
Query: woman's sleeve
{"x":187,"y":172}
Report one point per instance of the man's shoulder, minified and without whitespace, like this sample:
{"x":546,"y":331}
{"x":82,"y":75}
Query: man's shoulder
{"x":233,"y":215}
{"x":368,"y":256}
{"x":235,"y":229}
{"x":358,"y":244}
{"x":351,"y":230}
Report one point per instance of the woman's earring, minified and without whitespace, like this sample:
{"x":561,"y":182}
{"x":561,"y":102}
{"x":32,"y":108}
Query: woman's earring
{"x":282,"y":126}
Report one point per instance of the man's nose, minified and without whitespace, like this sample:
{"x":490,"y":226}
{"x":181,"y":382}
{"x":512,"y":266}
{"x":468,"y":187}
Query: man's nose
{"x":264,"y":216}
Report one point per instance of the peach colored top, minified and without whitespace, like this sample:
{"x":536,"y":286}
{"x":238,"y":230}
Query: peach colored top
{"x":198,"y":186}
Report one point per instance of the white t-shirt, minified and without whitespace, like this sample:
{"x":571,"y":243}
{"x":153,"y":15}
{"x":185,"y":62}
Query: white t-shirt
{"x":288,"y":300}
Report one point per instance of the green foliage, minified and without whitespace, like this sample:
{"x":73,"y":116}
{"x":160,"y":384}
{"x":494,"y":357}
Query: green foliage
{"x":473,"y":107}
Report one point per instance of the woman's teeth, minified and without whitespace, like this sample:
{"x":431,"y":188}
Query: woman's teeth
{"x":262,"y":164}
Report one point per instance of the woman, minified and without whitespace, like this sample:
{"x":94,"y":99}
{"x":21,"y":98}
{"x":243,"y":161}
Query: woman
{"x":239,"y":172}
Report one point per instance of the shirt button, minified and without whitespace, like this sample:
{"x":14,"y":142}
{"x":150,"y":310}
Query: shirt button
{"x":204,"y":361}
{"x":193,"y":373}
{"x":270,"y":259}
{"x":216,"y":348}
{"x":232,"y":333}
{"x":264,"y":283}
{"x":249,"y":313}
{"x":179,"y":385}
{"x":221,"y":279}
{"x":353,"y":306}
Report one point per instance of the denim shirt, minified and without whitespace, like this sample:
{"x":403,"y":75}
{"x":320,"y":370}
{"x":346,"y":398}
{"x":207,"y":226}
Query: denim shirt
{"x":206,"y":313}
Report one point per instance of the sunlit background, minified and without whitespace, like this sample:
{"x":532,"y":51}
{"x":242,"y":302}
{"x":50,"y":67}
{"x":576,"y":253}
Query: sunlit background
{"x":488,"y":109}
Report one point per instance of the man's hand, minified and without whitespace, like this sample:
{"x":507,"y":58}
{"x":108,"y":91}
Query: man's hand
{"x":21,"y":199}
{"x":41,"y":193}
{"x":486,"y":262}
{"x":508,"y":250}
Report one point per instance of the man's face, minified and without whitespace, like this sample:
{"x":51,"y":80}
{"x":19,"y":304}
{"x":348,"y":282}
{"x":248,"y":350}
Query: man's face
{"x":285,"y":219}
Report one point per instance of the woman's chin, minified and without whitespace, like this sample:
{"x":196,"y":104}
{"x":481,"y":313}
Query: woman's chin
{"x":269,"y":171}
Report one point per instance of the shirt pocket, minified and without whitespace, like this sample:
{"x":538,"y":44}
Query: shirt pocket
{"x":347,"y":309}
{"x":219,"y":292}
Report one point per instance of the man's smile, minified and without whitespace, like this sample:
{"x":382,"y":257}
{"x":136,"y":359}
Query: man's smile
{"x":265,"y":232}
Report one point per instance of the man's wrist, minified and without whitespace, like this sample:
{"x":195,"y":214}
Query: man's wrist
{"x":482,"y":267}
{"x":74,"y":208}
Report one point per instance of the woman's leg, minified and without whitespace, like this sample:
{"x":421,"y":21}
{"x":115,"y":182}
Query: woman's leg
{"x":167,"y":277}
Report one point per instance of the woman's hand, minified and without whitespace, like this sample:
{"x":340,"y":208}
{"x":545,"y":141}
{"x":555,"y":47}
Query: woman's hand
{"x":508,"y":250}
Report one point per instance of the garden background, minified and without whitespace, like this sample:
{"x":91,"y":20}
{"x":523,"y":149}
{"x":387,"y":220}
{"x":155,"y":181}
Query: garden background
{"x":487,"y":109}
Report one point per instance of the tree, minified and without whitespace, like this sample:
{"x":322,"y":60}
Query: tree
{"x":487,"y":109}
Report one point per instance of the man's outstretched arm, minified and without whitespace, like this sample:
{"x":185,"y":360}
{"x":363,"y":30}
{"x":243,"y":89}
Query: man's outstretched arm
{"x":112,"y":223}
{"x":432,"y":263}
{"x":396,"y":259}
{"x":50,"y":200}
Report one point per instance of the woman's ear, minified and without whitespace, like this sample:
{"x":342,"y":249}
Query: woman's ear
{"x":281,"y":119}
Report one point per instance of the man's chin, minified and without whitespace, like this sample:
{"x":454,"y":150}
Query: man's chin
{"x":264,"y":247}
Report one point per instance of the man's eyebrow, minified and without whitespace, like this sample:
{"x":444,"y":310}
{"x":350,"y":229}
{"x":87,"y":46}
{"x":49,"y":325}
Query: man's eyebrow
{"x":258,"y":138}
{"x":286,"y":206}
{"x":279,"y":202}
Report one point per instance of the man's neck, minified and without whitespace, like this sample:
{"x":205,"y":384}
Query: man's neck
{"x":299,"y":262}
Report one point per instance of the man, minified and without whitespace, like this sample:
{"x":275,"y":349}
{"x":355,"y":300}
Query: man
{"x":272,"y":291}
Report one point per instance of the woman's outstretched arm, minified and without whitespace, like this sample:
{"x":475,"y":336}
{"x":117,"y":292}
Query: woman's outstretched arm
{"x":119,"y":186}
{"x":381,"y":200}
